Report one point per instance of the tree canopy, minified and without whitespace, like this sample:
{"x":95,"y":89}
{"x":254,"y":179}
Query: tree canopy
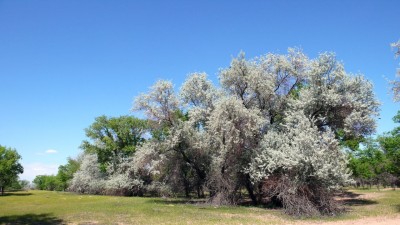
{"x":276,"y":120}
{"x":113,"y":137}
{"x":9,"y":167}
{"x":275,"y":130}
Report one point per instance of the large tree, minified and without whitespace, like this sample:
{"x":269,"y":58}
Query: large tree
{"x":113,"y":138}
{"x":66,"y":172}
{"x":390,"y":144}
{"x":9,"y":167}
{"x":213,"y":135}
{"x":180,"y":142}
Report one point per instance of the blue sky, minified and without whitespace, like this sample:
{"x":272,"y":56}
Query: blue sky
{"x":63,"y":63}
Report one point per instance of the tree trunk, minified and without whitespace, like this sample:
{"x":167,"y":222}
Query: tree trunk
{"x":2,"y":190}
{"x":249,"y":187}
{"x":200,"y":192}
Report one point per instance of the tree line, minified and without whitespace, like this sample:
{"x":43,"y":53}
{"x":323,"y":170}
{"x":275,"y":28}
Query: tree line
{"x":279,"y":129}
{"x":272,"y":131}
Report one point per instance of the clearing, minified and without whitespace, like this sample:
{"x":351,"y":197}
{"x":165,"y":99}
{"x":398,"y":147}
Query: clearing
{"x":45,"y":207}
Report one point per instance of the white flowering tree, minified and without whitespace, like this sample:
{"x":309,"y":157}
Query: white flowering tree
{"x":233,"y":133}
{"x":176,"y":154}
{"x":274,"y":128}
{"x":337,"y":100}
{"x":266,"y":82}
{"x":89,"y":178}
{"x":320,"y":88}
{"x":120,"y":180}
{"x":396,"y":83}
{"x":300,"y":165}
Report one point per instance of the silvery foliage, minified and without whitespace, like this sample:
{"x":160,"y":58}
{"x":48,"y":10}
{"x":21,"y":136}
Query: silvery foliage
{"x":186,"y":139}
{"x":235,"y":125}
{"x":266,"y":81}
{"x":160,"y":103}
{"x":198,"y":91}
{"x":321,"y":86}
{"x":233,"y":131}
{"x":199,"y":94}
{"x":88,"y":179}
{"x":148,"y":158}
{"x":337,"y":100}
{"x":116,"y":180}
{"x":301,"y":151}
{"x":396,"y":83}
{"x":122,"y":180}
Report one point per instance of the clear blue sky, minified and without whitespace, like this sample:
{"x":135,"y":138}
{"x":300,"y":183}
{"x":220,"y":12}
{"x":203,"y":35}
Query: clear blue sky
{"x":63,"y":63}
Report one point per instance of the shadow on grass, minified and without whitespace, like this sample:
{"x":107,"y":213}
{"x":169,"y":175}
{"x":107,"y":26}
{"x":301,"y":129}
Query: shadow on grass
{"x":177,"y":201}
{"x":16,"y":194}
{"x":397,"y":208}
{"x":348,"y":198}
{"x":34,"y":219}
{"x":205,"y":203}
{"x":347,"y":194}
{"x":358,"y":202}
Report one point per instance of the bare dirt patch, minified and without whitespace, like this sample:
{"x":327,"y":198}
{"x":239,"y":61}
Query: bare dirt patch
{"x":364,"y":221}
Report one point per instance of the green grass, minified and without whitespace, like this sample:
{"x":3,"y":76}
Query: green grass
{"x":44,"y":207}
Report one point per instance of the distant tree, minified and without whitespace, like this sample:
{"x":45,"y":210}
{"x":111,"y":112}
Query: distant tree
{"x":113,"y":137}
{"x":47,"y":182}
{"x":9,"y":167}
{"x":20,"y":185}
{"x":66,"y":173}
{"x":39,"y":182}
{"x":25,"y":184}
{"x":390,"y":143}
{"x":370,"y":164}
{"x":377,"y":162}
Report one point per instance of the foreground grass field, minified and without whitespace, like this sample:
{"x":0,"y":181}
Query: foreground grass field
{"x":44,"y":207}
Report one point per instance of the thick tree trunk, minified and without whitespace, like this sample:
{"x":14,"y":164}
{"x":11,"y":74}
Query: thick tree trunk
{"x":2,"y":190}
{"x":200,"y":191}
{"x":250,"y":190}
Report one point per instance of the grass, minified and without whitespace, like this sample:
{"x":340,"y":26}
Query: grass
{"x":44,"y":207}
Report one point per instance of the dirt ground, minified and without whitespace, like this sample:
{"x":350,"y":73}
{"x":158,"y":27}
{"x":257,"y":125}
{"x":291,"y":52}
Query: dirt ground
{"x":364,"y":221}
{"x":387,"y":220}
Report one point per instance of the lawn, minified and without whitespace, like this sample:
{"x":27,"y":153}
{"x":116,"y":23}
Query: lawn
{"x":44,"y":207}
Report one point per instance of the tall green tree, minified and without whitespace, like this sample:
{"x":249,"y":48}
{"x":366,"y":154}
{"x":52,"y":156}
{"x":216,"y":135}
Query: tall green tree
{"x":113,"y":137}
{"x":9,"y":167}
{"x":390,"y":143}
{"x":47,"y":182}
{"x":66,"y":173}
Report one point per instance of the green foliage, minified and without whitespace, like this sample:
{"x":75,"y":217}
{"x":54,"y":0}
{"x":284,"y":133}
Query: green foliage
{"x":19,"y":185}
{"x":378,"y":161}
{"x":348,"y":141}
{"x":47,"y":182}
{"x":369,"y":162}
{"x":114,"y":136}
{"x":390,"y":143}
{"x":60,"y":181}
{"x":66,"y":172}
{"x":9,"y":167}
